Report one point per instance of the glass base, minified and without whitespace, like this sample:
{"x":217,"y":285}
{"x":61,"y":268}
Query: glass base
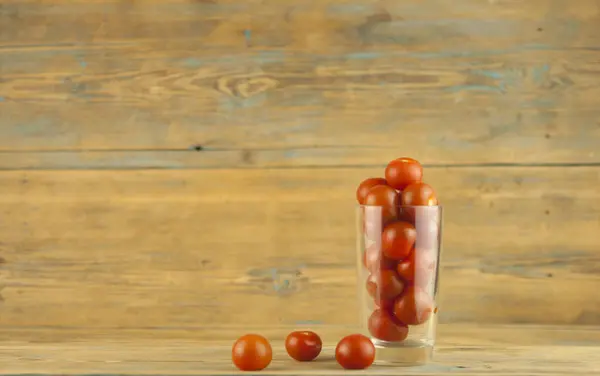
{"x":407,"y":353}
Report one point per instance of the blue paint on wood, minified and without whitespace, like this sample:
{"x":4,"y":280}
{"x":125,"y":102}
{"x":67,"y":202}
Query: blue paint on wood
{"x":487,"y":73}
{"x":539,"y":73}
{"x":247,"y":35}
{"x":192,"y":62}
{"x":271,"y":56}
{"x":475,"y":53}
{"x":1,"y":99}
{"x":539,"y":103}
{"x":228,"y":104}
{"x":257,"y":57}
{"x":365,"y":55}
{"x":290,"y":154}
{"x":484,"y":88}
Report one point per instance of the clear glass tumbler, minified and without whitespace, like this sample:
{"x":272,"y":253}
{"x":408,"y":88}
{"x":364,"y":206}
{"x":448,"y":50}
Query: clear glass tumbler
{"x":398,"y":264}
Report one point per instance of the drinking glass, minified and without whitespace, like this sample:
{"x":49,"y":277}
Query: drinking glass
{"x":398,"y":266}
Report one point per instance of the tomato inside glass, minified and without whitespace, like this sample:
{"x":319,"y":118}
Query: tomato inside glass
{"x":383,"y":325}
{"x":365,"y":186}
{"x":385,"y":285}
{"x":398,"y":239}
{"x":387,"y":198}
{"x":413,"y":307}
{"x":418,"y":268}
{"x":419,"y":194}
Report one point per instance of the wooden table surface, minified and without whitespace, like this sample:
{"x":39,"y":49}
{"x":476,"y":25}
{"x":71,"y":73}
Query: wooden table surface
{"x":462,"y":350}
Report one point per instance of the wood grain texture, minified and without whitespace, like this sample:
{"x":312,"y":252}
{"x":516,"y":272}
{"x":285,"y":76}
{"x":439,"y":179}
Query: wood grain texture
{"x":307,"y":84}
{"x":181,"y":249}
{"x":445,"y":114}
{"x":462,"y":350}
{"x":170,"y":165}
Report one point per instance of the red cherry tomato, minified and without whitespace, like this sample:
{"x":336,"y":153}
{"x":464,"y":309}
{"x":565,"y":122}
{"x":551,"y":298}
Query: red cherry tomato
{"x":387,"y":198}
{"x":403,"y":171}
{"x":387,"y":304}
{"x":385,"y":285}
{"x":365,"y":187}
{"x":398,"y":239}
{"x":418,"y":268}
{"x":375,"y":262}
{"x":383,"y":326}
{"x":414,"y":306}
{"x":251,"y":352}
{"x":355,"y":352}
{"x":407,"y":213}
{"x":419,"y":194}
{"x":303,"y":346}
{"x":371,"y":285}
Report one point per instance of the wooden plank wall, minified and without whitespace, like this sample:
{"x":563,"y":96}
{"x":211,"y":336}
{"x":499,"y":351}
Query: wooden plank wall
{"x":192,"y":163}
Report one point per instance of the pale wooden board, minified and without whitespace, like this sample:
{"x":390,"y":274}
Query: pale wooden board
{"x":319,"y":25}
{"x":184,"y":249}
{"x":462,"y":350}
{"x":296,"y":84}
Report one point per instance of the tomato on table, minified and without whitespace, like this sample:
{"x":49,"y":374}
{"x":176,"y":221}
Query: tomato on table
{"x":398,"y":239}
{"x":382,"y":325}
{"x":419,"y":194}
{"x":303,"y":346}
{"x":387,"y":198}
{"x":413,"y":307}
{"x":355,"y":352}
{"x":365,"y":186}
{"x":251,"y":352}
{"x":402,"y":172}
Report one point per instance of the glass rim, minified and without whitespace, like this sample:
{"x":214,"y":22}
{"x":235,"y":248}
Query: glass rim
{"x":399,"y":206}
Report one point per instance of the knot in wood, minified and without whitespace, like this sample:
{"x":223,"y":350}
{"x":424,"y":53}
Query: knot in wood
{"x":245,"y":86}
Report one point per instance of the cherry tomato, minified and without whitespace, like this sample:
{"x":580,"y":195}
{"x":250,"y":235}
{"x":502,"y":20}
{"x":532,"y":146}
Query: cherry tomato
{"x":407,"y":213}
{"x":371,"y":285}
{"x":383,"y":326}
{"x":418,"y":268}
{"x":386,"y":197}
{"x":403,"y":171}
{"x":414,"y":306}
{"x":355,"y":352}
{"x":384,"y":303}
{"x":374,"y":260}
{"x":303,"y":346}
{"x":419,"y":194}
{"x":251,"y":352}
{"x":385,"y":285}
{"x":365,"y":187}
{"x":398,"y":239}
